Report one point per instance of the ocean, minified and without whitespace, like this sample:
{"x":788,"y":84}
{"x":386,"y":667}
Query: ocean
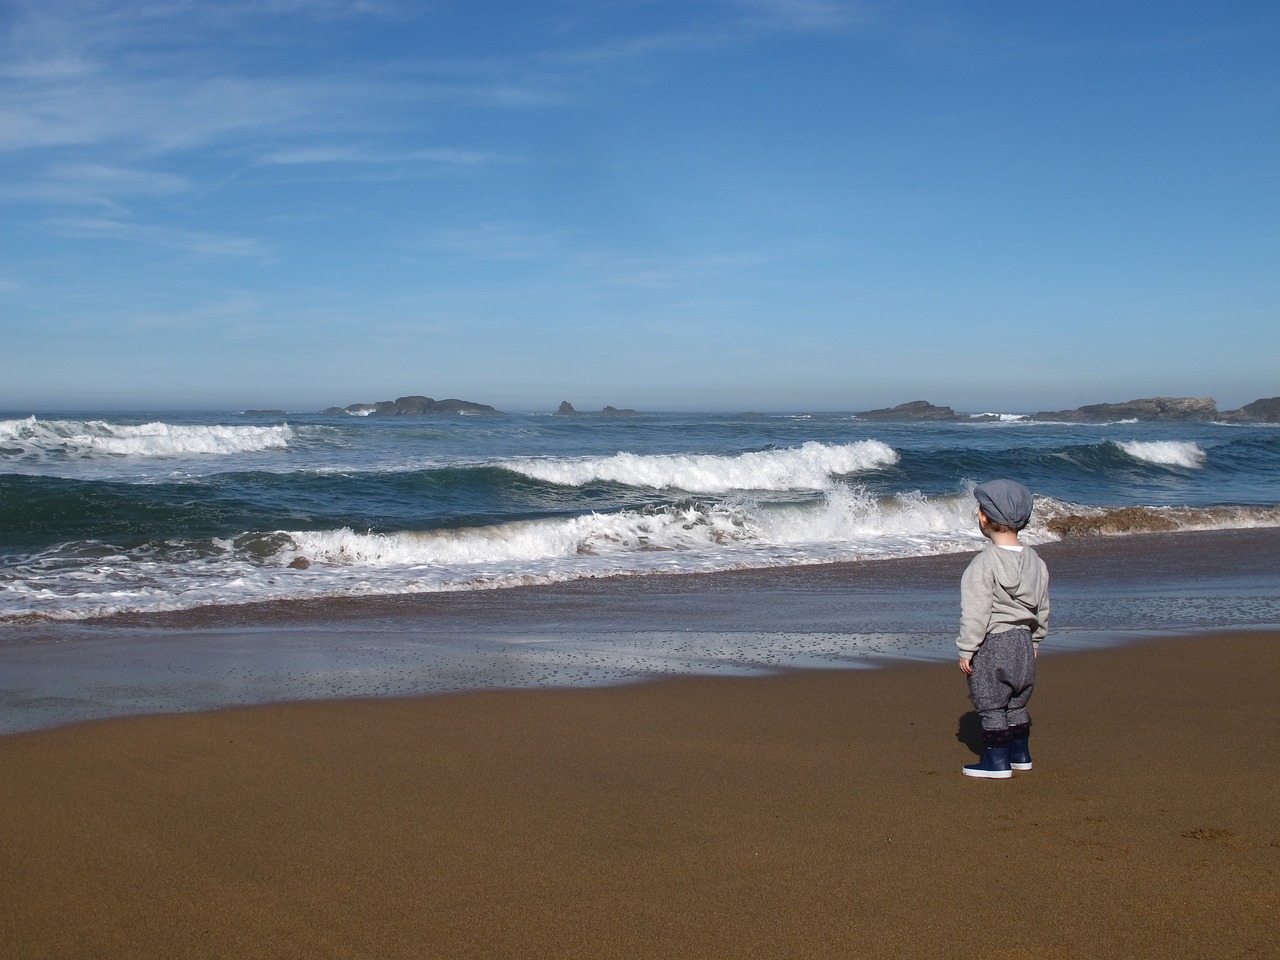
{"x":141,"y":513}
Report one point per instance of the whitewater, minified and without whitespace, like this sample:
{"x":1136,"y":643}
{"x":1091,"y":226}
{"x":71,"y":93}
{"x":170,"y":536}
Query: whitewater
{"x":136,"y":513}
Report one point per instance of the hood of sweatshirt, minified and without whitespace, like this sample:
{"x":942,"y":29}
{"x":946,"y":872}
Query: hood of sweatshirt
{"x":1019,"y":574}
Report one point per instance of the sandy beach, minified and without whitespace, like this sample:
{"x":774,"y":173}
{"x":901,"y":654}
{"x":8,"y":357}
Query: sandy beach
{"x":744,"y":805}
{"x":810,"y":814}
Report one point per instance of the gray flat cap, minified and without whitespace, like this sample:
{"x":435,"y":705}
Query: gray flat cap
{"x":1005,"y":501}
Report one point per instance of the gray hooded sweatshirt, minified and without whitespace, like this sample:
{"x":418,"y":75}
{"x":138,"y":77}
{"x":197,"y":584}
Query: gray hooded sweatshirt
{"x":1002,"y":589}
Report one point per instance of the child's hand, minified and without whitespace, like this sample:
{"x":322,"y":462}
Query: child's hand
{"x":966,"y":666}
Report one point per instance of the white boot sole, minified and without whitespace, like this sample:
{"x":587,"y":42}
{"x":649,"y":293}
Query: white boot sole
{"x":987,"y":774}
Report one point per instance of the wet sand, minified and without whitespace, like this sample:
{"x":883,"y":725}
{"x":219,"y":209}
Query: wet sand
{"x":614,"y":630}
{"x":810,"y":814}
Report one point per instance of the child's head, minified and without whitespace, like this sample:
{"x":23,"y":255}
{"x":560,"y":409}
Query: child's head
{"x":1006,"y":504}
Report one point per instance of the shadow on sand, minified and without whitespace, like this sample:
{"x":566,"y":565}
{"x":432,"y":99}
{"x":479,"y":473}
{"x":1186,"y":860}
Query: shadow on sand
{"x":969,"y":731}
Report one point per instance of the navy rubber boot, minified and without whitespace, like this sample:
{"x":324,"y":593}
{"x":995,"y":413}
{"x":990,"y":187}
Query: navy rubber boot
{"x":994,"y":764}
{"x":1019,"y":747}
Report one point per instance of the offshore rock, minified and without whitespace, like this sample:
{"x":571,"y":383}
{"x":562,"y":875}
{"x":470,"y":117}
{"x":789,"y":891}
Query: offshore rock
{"x":915,"y":410}
{"x":411,"y":407}
{"x":1260,"y":411}
{"x":1155,"y":408}
{"x":567,"y":410}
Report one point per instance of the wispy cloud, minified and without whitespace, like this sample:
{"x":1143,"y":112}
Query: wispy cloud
{"x":174,"y":76}
{"x":235,"y":314}
{"x":802,"y":14}
{"x":128,"y":107}
{"x":185,"y":241}
{"x":707,"y":25}
{"x":510,"y":241}
{"x":105,"y":108}
{"x":371,"y":155}
{"x":153,"y":78}
{"x":319,"y":155}
{"x":678,"y":272}
{"x":91,"y":184}
{"x":498,"y":241}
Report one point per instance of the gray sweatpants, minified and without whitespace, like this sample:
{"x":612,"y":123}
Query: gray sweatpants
{"x":1004,"y":673}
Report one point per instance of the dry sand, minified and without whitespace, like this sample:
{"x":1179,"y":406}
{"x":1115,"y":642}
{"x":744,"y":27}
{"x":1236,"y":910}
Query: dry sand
{"x":814,"y":814}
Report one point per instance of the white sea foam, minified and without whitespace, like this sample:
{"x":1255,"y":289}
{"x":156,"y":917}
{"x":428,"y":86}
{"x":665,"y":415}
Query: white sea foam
{"x":34,"y":439}
{"x":844,"y":523}
{"x":1166,"y":453}
{"x":812,"y":466}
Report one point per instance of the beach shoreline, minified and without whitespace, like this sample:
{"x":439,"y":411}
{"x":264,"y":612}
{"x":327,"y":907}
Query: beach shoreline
{"x":810,"y":813}
{"x":618,"y":630}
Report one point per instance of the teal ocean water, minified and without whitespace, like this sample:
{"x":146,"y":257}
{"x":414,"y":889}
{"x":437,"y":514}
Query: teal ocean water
{"x":141,"y":513}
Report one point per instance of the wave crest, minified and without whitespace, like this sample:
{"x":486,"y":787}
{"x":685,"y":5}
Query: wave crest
{"x":845,"y":523}
{"x":33,"y":438}
{"x":812,"y":466}
{"x":1166,"y":453}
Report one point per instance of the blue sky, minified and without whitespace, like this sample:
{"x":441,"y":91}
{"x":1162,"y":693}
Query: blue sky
{"x":688,"y":205}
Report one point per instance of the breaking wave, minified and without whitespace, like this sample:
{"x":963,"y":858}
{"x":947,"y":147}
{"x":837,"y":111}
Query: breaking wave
{"x":846,"y":523}
{"x":811,"y":466}
{"x":690,"y":536}
{"x":890,"y":527}
{"x":1166,"y":453}
{"x":34,"y":439}
{"x":167,"y":512}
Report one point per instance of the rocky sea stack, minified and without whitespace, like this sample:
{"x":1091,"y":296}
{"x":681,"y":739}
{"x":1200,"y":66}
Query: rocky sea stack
{"x":1260,"y":411}
{"x":1156,"y":408}
{"x":1167,"y":408}
{"x":913,"y":410}
{"x":412,"y":407}
{"x":1173,"y":409}
{"x":566,"y":410}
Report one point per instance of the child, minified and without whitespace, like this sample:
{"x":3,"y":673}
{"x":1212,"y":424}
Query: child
{"x":1004,"y":600}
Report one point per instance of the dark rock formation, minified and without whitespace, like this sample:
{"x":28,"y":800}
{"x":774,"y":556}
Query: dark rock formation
{"x":411,"y":407}
{"x":1260,"y":411}
{"x":566,"y":410}
{"x":1156,"y":408}
{"x":915,"y":410}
